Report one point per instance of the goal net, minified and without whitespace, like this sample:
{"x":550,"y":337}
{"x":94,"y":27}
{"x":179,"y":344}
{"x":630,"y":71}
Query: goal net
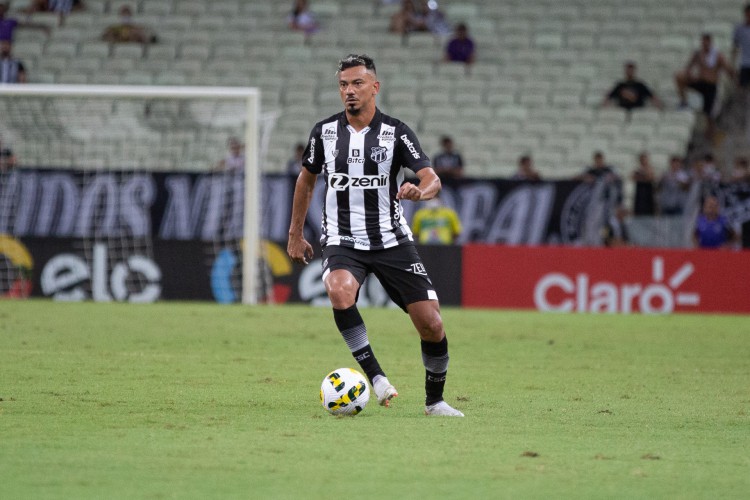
{"x":131,"y":193}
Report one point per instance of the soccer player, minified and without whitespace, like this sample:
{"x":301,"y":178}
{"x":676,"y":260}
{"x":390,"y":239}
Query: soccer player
{"x":362,"y":153}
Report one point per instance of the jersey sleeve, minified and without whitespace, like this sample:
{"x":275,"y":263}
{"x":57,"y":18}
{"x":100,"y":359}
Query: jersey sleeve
{"x":313,"y":157}
{"x":409,"y":153}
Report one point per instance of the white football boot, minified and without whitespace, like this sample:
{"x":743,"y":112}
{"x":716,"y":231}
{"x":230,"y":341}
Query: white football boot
{"x":442,"y":409}
{"x":384,"y":391}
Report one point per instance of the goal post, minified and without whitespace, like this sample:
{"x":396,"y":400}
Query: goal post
{"x":46,"y":126}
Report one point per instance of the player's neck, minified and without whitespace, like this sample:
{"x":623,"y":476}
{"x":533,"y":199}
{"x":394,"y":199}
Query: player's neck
{"x":361,"y":119}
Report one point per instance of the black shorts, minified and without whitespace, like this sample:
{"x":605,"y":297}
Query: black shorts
{"x":399,"y":270}
{"x":745,"y":76}
{"x":708,"y":90}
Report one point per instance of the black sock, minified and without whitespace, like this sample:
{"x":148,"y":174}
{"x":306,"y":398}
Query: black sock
{"x":435,"y":359}
{"x":352,"y":328}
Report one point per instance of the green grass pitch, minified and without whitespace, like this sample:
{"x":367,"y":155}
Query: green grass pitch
{"x":177,"y":400}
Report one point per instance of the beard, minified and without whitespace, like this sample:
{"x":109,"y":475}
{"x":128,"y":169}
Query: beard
{"x":352,"y":109}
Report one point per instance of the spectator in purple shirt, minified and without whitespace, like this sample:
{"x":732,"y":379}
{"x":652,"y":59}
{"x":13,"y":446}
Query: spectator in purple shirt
{"x":460,"y":48}
{"x":7,"y":24}
{"x":712,"y":229}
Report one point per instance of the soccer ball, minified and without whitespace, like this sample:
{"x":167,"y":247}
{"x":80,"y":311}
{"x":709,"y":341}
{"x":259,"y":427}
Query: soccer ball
{"x":344,"y":392}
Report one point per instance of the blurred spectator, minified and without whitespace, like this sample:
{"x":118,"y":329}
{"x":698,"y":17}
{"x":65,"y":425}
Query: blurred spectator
{"x":126,"y":31}
{"x":436,"y":224}
{"x":436,"y":22}
{"x":631,"y":93}
{"x":710,"y":167}
{"x":741,"y":45}
{"x":7,"y":159}
{"x":644,"y":178}
{"x":526,"y":170}
{"x":741,"y":170}
{"x":408,"y":19}
{"x":300,"y":18}
{"x":704,"y":169}
{"x":461,"y":47}
{"x":702,"y":74}
{"x":673,"y":188}
{"x":294,"y":164}
{"x":8,"y":25}
{"x":11,"y":69}
{"x":62,"y":7}
{"x":234,"y":161}
{"x":712,"y":229}
{"x":419,"y":15}
{"x":448,"y":163}
{"x":615,"y":231}
{"x":599,"y":171}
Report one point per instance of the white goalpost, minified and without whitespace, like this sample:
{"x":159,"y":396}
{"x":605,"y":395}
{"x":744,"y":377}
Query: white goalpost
{"x":118,"y":132}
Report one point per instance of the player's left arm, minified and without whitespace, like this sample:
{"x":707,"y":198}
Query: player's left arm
{"x":429,"y":186}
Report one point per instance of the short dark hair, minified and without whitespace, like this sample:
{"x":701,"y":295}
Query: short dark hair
{"x":354,"y":60}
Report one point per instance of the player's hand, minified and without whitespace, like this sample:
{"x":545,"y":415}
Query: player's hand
{"x":409,"y":191}
{"x":299,"y":250}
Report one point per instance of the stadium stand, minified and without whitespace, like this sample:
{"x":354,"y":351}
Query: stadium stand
{"x":543,"y":67}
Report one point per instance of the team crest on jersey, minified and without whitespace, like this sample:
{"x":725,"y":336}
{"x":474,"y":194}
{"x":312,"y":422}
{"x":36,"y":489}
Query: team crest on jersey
{"x":378,"y":154}
{"x":335,"y":153}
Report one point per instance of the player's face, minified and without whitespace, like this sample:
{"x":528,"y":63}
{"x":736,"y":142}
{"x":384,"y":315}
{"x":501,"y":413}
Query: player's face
{"x":358,"y":88}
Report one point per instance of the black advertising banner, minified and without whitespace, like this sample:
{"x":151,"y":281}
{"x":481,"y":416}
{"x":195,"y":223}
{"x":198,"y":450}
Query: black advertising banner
{"x":75,"y":269}
{"x":209,"y":207}
{"x":72,"y":269}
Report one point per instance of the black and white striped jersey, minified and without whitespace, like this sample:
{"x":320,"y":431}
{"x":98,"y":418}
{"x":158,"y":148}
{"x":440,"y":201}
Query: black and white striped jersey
{"x":363,"y":172}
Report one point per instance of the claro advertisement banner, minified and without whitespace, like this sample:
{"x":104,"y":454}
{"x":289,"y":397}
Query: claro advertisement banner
{"x":563,"y":279}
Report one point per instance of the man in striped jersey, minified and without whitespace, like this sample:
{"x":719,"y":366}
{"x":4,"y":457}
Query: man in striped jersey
{"x":362,"y":153}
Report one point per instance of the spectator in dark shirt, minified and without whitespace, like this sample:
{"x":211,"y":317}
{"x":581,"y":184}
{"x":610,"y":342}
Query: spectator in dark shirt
{"x":461,"y":47}
{"x":11,"y":69}
{"x":644,"y":202}
{"x":448,"y":163}
{"x":631,"y":93}
{"x":526,"y":170}
{"x":7,"y":159}
{"x":600,"y":171}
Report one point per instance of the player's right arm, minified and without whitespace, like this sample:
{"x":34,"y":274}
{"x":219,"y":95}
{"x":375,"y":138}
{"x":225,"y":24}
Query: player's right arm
{"x":298,"y":248}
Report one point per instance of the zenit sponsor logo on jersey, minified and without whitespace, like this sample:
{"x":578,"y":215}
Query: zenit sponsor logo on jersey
{"x":341,"y":182}
{"x":412,"y":148}
{"x":378,"y":154}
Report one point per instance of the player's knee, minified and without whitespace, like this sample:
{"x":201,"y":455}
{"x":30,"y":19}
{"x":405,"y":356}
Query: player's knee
{"x":431,"y":330}
{"x":343,"y":293}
